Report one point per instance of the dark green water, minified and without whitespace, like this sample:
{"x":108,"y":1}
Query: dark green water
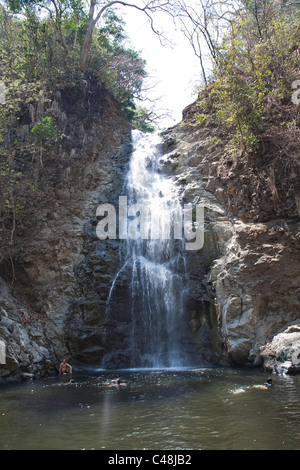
{"x":199,"y":409}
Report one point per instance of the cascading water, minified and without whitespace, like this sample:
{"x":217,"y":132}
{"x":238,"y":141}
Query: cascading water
{"x":156,"y":262}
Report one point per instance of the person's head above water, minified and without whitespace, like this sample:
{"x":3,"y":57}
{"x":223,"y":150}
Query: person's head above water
{"x":269,"y":382}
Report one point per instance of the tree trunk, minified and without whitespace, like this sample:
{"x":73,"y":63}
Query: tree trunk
{"x":92,"y":24}
{"x":88,"y":37}
{"x":86,"y":45}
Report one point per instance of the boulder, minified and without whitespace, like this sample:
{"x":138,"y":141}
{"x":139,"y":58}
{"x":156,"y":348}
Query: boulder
{"x":282,"y":354}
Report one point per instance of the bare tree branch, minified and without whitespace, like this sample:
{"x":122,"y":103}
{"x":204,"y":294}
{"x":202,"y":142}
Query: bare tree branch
{"x":149,"y":8}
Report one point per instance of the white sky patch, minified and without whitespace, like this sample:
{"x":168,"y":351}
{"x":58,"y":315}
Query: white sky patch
{"x":175,"y":70}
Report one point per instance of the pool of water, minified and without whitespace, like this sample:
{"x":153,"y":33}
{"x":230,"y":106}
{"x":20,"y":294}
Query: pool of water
{"x":197,"y":409}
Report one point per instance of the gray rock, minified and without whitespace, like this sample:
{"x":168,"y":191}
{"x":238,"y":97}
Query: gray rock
{"x":282,"y":354}
{"x":248,"y":268}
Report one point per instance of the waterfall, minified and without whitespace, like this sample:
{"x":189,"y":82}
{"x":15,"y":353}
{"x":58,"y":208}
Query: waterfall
{"x":155,"y":259}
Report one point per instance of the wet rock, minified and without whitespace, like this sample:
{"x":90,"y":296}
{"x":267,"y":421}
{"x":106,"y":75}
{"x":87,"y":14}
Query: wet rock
{"x":282,"y":354}
{"x":248,"y":268}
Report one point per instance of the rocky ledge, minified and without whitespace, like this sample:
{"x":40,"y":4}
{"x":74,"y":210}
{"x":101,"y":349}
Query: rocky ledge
{"x":58,"y":275}
{"x":248,"y":270}
{"x":282,"y":354}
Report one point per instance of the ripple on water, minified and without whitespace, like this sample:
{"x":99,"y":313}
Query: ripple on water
{"x":191,"y":409}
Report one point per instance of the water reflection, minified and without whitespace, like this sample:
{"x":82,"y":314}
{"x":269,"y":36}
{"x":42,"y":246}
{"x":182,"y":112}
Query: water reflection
{"x":159,"y":410}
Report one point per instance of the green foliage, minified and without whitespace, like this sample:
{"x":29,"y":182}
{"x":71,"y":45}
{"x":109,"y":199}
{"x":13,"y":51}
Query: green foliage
{"x":258,"y":62}
{"x":120,"y":68}
{"x":45,"y":45}
{"x":45,"y":129}
{"x":141,"y":119}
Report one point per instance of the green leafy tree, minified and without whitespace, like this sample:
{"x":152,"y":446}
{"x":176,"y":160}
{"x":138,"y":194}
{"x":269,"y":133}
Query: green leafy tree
{"x":142,"y":119}
{"x":88,"y":13}
{"x":48,"y":44}
{"x":44,"y":131}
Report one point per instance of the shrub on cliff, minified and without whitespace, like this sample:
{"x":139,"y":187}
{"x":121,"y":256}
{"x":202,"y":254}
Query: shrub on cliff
{"x":250,"y":90}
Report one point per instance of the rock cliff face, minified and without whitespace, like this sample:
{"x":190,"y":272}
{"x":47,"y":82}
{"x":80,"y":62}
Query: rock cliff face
{"x":250,"y":260}
{"x":244,"y":285}
{"x":56,"y":253}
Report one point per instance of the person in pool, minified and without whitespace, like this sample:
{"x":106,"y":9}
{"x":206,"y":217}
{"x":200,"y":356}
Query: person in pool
{"x":72,"y":382}
{"x":117,"y":384}
{"x":269,"y":382}
{"x":65,"y":368}
{"x":266,"y":385}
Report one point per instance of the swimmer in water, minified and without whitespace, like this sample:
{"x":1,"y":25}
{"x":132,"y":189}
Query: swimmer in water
{"x":117,"y":384}
{"x":269,"y":382}
{"x":72,"y":382}
{"x":266,"y":385}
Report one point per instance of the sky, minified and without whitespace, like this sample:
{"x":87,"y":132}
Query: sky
{"x":175,"y":70}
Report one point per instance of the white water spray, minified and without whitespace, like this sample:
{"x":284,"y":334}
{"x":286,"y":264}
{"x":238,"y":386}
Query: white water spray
{"x":159,"y":325}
